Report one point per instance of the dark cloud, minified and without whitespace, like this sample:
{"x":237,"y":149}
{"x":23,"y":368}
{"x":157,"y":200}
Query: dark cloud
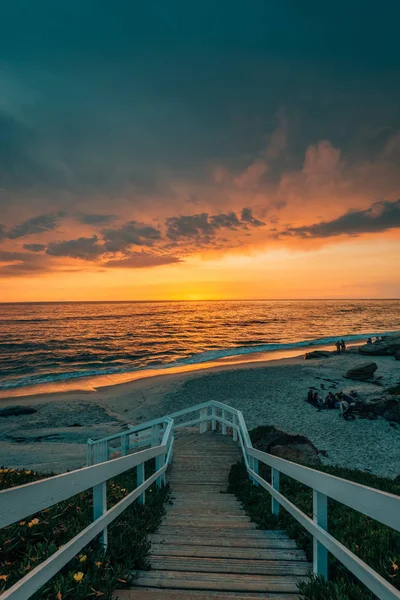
{"x":381,"y":216}
{"x":83,"y":248}
{"x":204,"y":226}
{"x":247,"y":217}
{"x":140,"y":260}
{"x":38,"y":224}
{"x":35,"y":247}
{"x":95,"y":219}
{"x":131,"y":234}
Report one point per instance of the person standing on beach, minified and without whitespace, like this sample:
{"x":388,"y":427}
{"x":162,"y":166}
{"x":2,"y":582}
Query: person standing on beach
{"x":343,"y":346}
{"x":338,"y":347}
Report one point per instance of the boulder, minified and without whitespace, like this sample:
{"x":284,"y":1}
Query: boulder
{"x":298,"y":453}
{"x":296,"y":448}
{"x":362,"y":372}
{"x":17,"y":411}
{"x":388,"y":346}
{"x":317,"y":354}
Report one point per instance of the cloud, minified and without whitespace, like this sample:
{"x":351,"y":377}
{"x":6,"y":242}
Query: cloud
{"x":206,"y":226}
{"x":95,"y":219}
{"x":141,"y":260}
{"x":83,"y":248}
{"x":35,"y":247}
{"x":131,"y":234}
{"x":38,"y":224}
{"x":247,"y":217}
{"x":381,"y":216}
{"x":2,"y":232}
{"x":21,"y":263}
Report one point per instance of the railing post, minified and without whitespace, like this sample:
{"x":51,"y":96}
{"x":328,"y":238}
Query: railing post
{"x":213,"y":421}
{"x":234,"y":430}
{"x":124,"y":444}
{"x":223,"y":428}
{"x":89,"y":455}
{"x":100,"y":507}
{"x":275,"y":482}
{"x":203,"y":421}
{"x":155,"y":435}
{"x":255,"y":469}
{"x":320,"y":516}
{"x":139,"y":481}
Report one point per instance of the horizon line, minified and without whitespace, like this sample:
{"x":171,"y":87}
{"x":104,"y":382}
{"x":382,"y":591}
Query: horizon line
{"x":194,"y":300}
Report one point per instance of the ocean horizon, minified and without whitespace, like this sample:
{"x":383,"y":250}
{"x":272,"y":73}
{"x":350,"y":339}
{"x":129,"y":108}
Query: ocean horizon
{"x":72,"y":340}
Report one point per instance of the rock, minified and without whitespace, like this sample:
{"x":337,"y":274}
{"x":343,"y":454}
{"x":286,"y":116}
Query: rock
{"x":17,"y":411}
{"x":389,"y":345}
{"x":352,"y":350}
{"x":296,"y":448}
{"x":397,"y":355}
{"x":75,"y":425}
{"x":299,"y":453}
{"x":317,"y":354}
{"x":362,"y":372}
{"x":391,"y":411}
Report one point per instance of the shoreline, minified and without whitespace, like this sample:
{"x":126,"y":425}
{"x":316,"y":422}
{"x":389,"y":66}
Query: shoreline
{"x":92,"y":384}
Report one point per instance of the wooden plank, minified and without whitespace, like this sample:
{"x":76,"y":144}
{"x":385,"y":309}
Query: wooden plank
{"x":236,"y":541}
{"x":230,"y":565}
{"x":154,"y":594}
{"x":213,"y":531}
{"x":217,"y":581}
{"x":171,"y":549}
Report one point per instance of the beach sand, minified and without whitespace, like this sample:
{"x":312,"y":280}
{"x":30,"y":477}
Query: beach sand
{"x":268,"y":392}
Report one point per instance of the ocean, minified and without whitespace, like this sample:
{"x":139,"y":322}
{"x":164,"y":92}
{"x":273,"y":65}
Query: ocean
{"x":53,"y":342}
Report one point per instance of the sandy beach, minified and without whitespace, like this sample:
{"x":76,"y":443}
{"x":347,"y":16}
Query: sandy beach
{"x":268,"y":392}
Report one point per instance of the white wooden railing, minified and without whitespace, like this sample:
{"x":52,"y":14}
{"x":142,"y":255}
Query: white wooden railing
{"x":21,"y":502}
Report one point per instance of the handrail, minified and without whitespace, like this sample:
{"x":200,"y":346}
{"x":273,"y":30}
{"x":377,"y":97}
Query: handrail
{"x":23,"y":501}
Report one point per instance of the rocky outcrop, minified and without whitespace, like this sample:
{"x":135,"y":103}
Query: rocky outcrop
{"x":298,"y":453}
{"x":17,"y":411}
{"x":388,"y":408}
{"x":296,"y":448}
{"x":388,"y":346}
{"x":317,"y":354}
{"x":362,"y":372}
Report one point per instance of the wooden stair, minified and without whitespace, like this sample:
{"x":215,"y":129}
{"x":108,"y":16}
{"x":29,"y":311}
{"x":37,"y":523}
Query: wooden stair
{"x":207,"y":547}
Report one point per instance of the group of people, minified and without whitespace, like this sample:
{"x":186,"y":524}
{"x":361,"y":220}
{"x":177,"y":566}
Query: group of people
{"x":343,"y":401}
{"x":378,"y":339}
{"x":340,"y":346}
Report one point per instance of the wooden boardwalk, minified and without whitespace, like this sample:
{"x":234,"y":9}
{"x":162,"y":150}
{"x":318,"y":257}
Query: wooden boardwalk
{"x":207,"y":547}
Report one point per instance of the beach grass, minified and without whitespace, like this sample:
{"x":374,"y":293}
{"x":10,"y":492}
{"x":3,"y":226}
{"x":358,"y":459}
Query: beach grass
{"x":374,"y":543}
{"x":93,"y":573}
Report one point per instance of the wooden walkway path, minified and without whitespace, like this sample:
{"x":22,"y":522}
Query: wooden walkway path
{"x":207,"y":548}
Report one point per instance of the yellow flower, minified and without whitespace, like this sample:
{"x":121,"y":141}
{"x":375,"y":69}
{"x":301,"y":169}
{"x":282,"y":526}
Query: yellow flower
{"x":3,"y":577}
{"x":83,"y":558}
{"x":98,"y":564}
{"x":395,"y":566}
{"x":150,"y":491}
{"x":28,"y":472}
{"x":78,"y":576}
{"x":12,"y":470}
{"x":1,"y":470}
{"x":59,"y":596}
{"x":5,"y":470}
{"x":33,"y":522}
{"x":123,"y":490}
{"x":22,"y":523}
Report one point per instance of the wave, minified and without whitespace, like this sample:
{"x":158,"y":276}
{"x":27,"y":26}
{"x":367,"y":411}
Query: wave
{"x":202,"y":357}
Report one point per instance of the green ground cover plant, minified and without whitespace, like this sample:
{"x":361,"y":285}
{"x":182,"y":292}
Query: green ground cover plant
{"x":374,"y":543}
{"x":93,"y":573}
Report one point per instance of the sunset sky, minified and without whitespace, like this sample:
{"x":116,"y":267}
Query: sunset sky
{"x":196,"y":150}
